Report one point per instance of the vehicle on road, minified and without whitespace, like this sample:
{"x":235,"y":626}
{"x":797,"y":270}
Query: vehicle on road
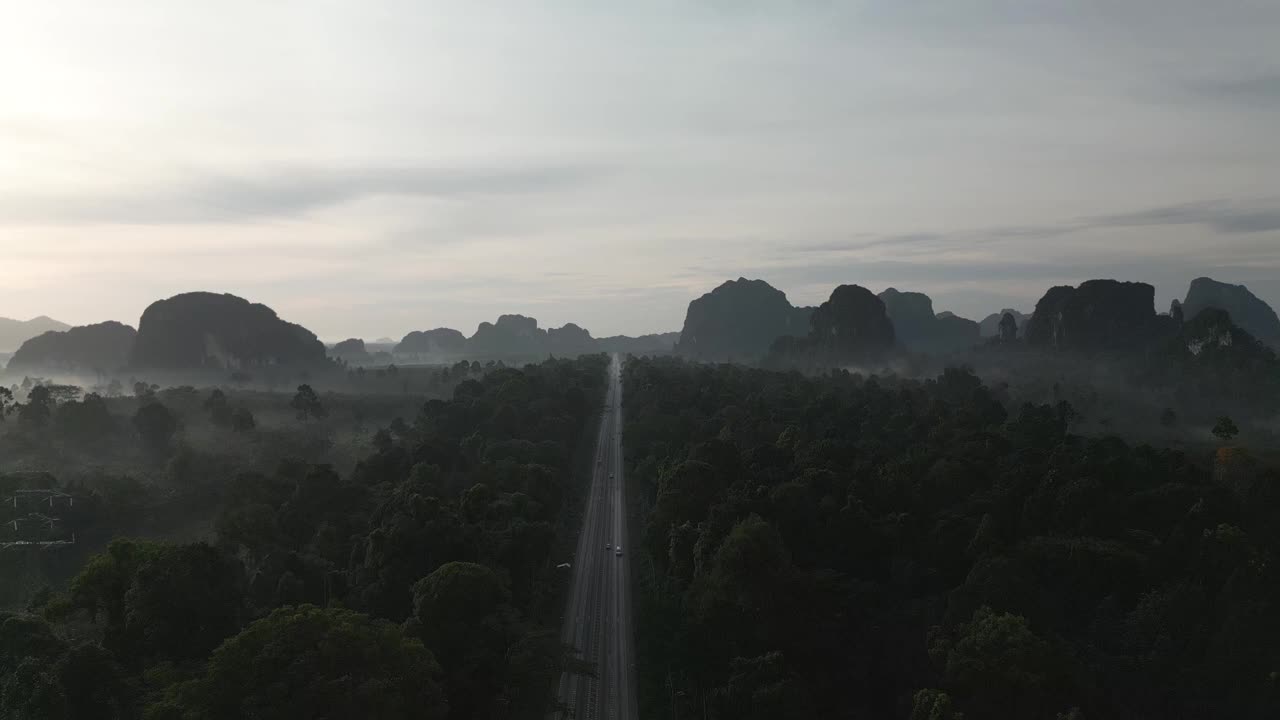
{"x":608,"y":546}
{"x":618,"y":552}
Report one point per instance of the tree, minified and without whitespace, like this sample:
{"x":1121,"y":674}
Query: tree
{"x":464,"y":615}
{"x":156,"y":425}
{"x":306,"y":662}
{"x":7,"y":404}
{"x":32,"y":692}
{"x":182,"y":602}
{"x":1008,"y":328}
{"x":998,"y":664}
{"x":84,"y":421}
{"x":218,"y":408}
{"x":161,"y":601}
{"x":306,"y":404}
{"x":144,"y":391}
{"x":93,"y":683}
{"x":35,"y":413}
{"x":63,"y":393}
{"x":1225,"y":429}
{"x":931,"y":704}
{"x":242,"y":420}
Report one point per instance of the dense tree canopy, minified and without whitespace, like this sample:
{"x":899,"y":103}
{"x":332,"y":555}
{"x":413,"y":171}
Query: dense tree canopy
{"x":307,"y":663}
{"x":419,"y":582}
{"x":847,"y":546}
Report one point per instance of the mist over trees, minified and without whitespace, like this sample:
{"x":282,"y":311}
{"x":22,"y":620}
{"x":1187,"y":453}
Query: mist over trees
{"x":900,"y":514}
{"x":418,"y":581}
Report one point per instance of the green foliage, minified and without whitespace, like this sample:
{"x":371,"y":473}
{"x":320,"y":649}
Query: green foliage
{"x":306,"y":662}
{"x":931,"y":704}
{"x":856,"y":539}
{"x":87,"y":421}
{"x":1225,"y":429}
{"x":306,"y":404}
{"x":1001,"y":666}
{"x":242,"y":420}
{"x":218,"y":407}
{"x":38,"y":408}
{"x":160,"y":601}
{"x":156,"y":425}
{"x":42,"y":677}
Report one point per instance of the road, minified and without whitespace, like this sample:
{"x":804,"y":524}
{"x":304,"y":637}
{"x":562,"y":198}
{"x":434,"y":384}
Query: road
{"x":597,"y":621}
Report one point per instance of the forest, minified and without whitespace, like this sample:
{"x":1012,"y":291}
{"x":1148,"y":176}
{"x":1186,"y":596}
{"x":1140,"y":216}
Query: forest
{"x":234,"y":553}
{"x":851,"y":546}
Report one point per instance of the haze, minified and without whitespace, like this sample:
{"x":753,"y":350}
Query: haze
{"x":372,"y":168}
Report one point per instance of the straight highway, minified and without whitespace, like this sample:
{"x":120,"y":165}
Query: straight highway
{"x":597,"y":621}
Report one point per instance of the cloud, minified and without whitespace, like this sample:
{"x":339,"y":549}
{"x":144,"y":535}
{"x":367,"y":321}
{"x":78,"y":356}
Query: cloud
{"x":1256,"y":91}
{"x":281,"y":193}
{"x":1221,"y":216}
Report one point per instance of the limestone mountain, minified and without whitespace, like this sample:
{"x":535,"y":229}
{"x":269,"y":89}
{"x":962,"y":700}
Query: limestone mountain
{"x":656,"y":344}
{"x":990,"y":325}
{"x":101,"y":347}
{"x":208,"y":330}
{"x":1247,"y":310}
{"x":850,"y":327}
{"x":570,"y":340}
{"x":1099,"y":315}
{"x":852,"y":320}
{"x":351,"y":350}
{"x":519,"y":338}
{"x":510,"y":335}
{"x":15,"y":332}
{"x":440,"y":341}
{"x":739,"y":320}
{"x":917,"y":328}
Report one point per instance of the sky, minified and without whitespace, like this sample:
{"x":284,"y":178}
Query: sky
{"x":370,"y":168}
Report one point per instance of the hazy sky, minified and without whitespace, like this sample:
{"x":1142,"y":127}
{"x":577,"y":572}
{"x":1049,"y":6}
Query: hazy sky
{"x":369,"y":168}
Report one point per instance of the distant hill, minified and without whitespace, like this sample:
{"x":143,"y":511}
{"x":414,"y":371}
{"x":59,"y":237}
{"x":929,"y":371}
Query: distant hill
{"x":518,"y":338}
{"x":990,"y":325}
{"x":351,"y":350}
{"x":1247,"y":310}
{"x":440,"y":341}
{"x":207,"y":330}
{"x":851,"y":326}
{"x":917,"y":328}
{"x":570,"y":340}
{"x":658,"y":344}
{"x":739,"y":320}
{"x":15,"y":332}
{"x":1099,"y":315}
{"x":102,"y":347}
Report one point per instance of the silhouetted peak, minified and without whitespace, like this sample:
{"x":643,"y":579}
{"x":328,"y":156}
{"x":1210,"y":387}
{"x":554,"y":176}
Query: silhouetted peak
{"x":1247,"y":310}
{"x":917,"y":328}
{"x":102,"y":346}
{"x":212,"y":330}
{"x":437,"y":341}
{"x":739,"y":319}
{"x":1097,"y":315}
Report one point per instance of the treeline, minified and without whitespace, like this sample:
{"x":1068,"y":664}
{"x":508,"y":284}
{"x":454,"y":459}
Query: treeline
{"x":419,"y":585}
{"x":847,"y":546}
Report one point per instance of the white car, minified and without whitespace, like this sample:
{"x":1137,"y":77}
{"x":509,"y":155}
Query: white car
{"x":618,"y":552}
{"x":608,"y":546}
